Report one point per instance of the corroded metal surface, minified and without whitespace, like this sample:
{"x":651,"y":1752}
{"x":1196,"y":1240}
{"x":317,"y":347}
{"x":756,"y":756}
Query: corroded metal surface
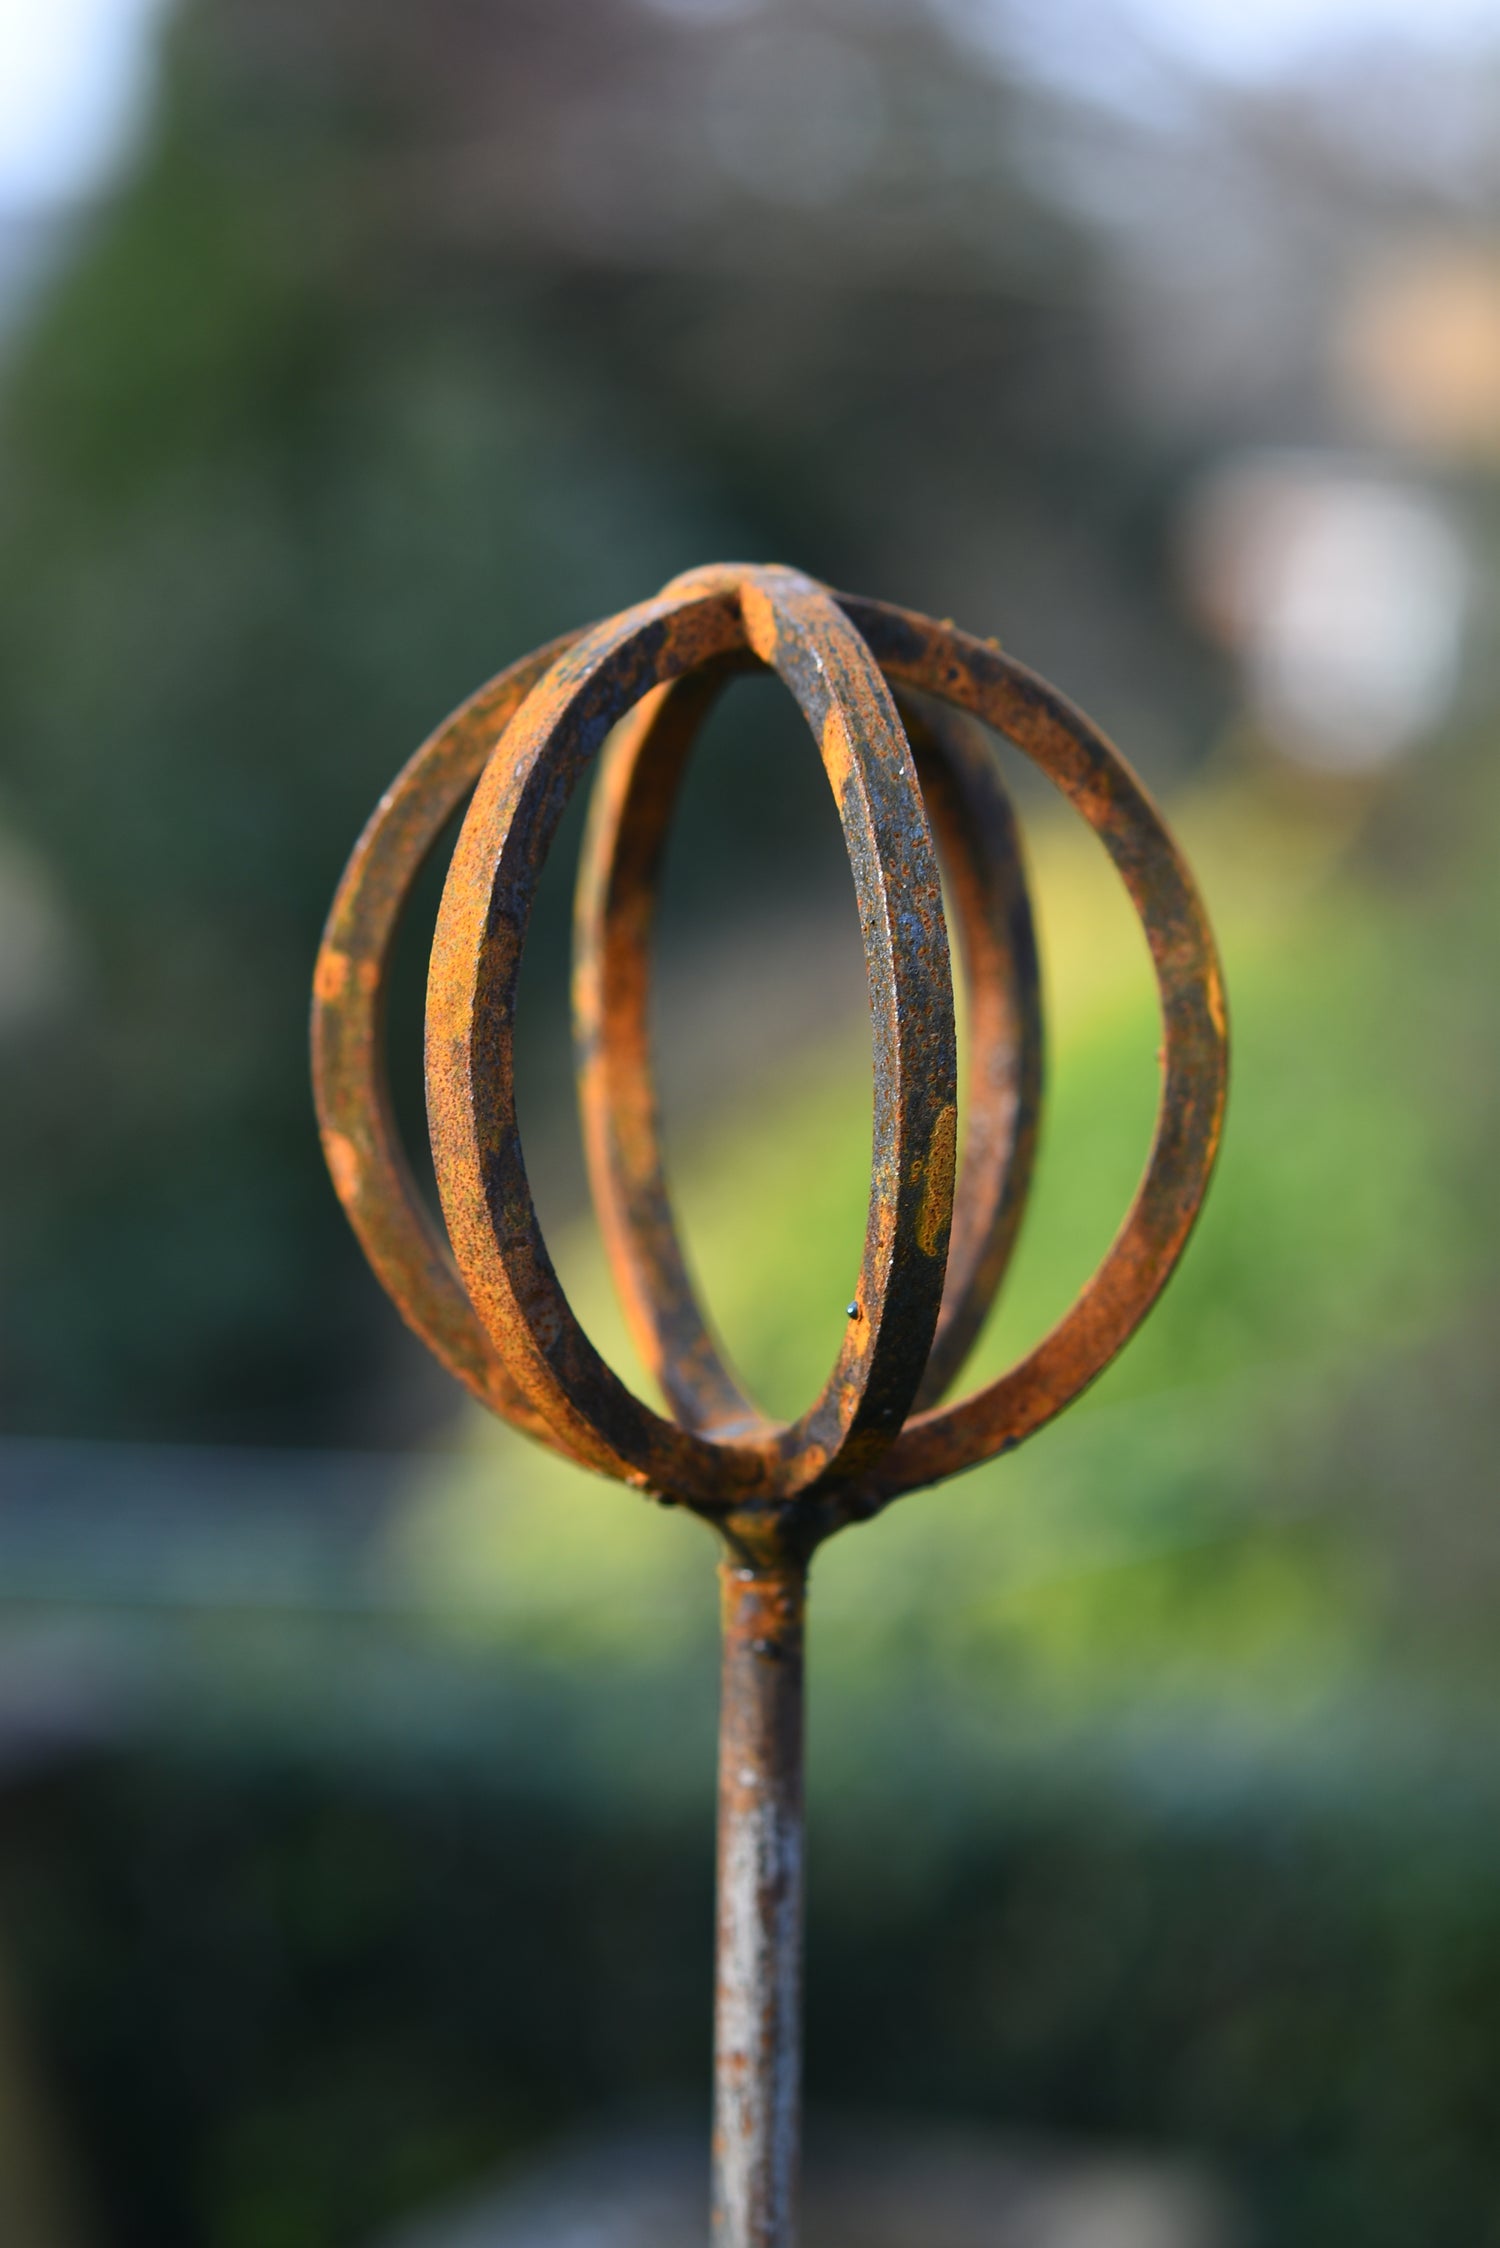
{"x":758,"y":1994}
{"x":366,"y":1161}
{"x":630,"y":815}
{"x":799,"y":630}
{"x":902,"y":710}
{"x":500,"y":1320}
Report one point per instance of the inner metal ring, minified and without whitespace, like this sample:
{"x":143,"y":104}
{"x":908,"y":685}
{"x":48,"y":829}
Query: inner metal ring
{"x":796,"y":628}
{"x":634,"y":797}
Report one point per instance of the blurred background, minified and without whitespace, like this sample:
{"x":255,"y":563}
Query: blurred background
{"x":355,"y":1759}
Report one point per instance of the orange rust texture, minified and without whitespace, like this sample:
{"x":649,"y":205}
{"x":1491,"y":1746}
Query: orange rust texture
{"x":370,"y":1172}
{"x":630,"y":817}
{"x":470,"y":1050}
{"x":487,"y":1299}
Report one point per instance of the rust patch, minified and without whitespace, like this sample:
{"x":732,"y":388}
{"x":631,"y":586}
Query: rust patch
{"x":760,"y":622}
{"x":331,"y":974}
{"x":837,"y":754}
{"x":342,"y":1157}
{"x":937,"y":1185}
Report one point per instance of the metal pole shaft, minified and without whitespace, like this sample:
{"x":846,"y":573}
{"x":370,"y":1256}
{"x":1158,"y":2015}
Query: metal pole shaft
{"x":758,"y":2010}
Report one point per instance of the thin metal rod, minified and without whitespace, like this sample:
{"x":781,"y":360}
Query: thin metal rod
{"x":758,"y":2010}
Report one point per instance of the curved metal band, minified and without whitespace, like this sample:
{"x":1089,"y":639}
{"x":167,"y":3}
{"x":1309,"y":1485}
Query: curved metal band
{"x":796,"y":628}
{"x":351,"y":1084}
{"x":375,"y":1184}
{"x":970,"y":673}
{"x":634,"y":797}
{"x":980,"y":845}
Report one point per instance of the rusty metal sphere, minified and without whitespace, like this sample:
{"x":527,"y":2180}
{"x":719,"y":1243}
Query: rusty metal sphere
{"x":891,"y":699}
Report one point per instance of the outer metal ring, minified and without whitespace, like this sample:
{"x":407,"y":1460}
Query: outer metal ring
{"x":504,"y":1328}
{"x":914,"y":651}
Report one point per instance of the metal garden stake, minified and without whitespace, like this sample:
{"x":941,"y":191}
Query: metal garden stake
{"x":892,"y":699}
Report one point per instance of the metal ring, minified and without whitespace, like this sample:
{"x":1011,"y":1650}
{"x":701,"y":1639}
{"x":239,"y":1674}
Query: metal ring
{"x":351,"y":1083}
{"x":633,"y":800}
{"x":795,"y":627}
{"x":511,"y":1337}
{"x":1091,"y":773}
